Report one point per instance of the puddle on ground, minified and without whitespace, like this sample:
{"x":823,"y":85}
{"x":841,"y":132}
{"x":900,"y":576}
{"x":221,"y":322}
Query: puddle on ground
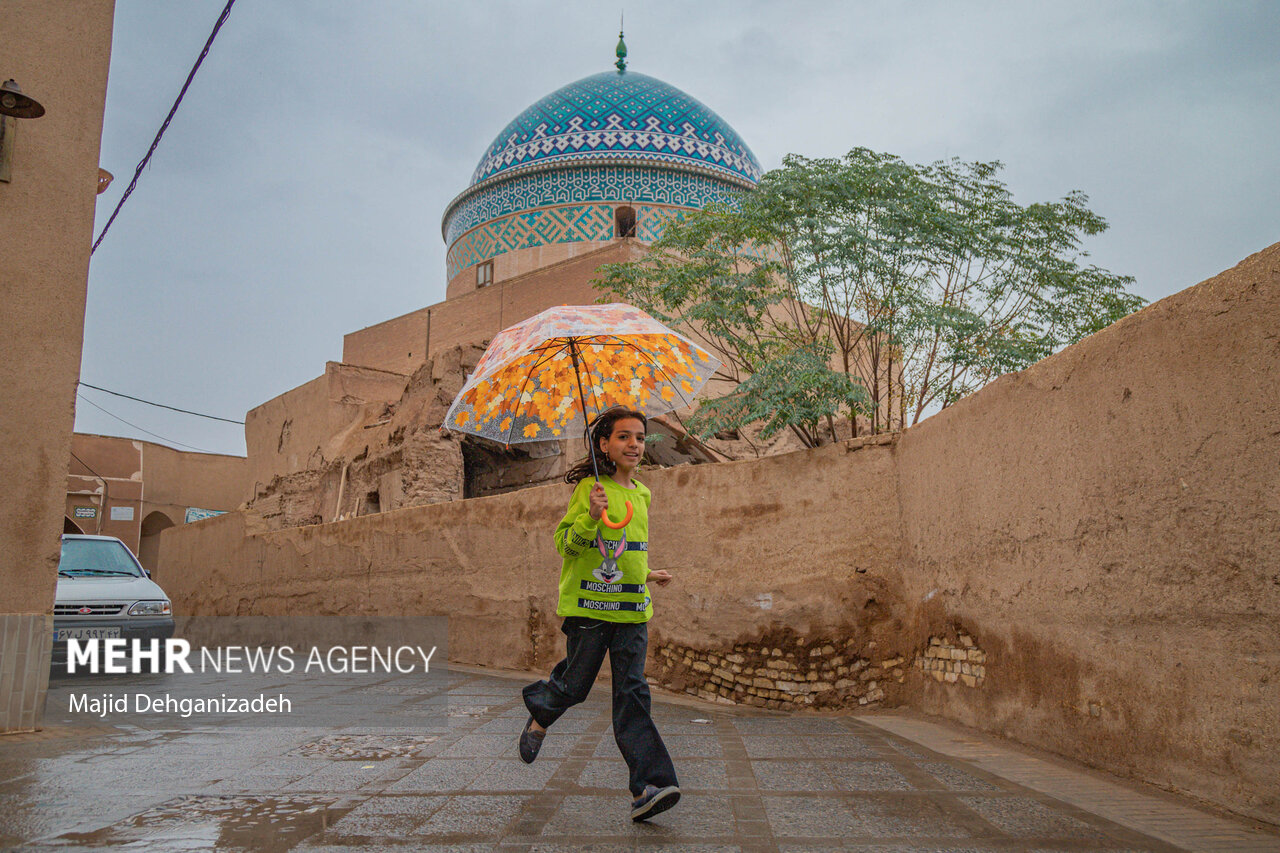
{"x":366,"y":747}
{"x":225,"y":823}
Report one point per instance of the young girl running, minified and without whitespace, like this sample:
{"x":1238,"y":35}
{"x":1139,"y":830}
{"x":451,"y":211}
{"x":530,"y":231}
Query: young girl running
{"x":604,"y":599}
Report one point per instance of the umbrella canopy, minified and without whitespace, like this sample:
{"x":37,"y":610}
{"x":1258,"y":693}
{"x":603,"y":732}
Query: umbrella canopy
{"x":541,"y":379}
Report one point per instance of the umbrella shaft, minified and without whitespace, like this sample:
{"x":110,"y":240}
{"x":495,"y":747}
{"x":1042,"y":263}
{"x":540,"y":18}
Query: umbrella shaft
{"x":591,"y":445}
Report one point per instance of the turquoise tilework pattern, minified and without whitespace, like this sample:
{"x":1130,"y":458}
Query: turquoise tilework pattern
{"x":619,"y":114}
{"x":566,"y":224}
{"x":586,"y":184}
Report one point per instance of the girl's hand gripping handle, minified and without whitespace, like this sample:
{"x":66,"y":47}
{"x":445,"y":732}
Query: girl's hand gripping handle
{"x":599,"y":509}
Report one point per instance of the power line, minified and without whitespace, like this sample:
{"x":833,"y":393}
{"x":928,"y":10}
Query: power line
{"x":135,"y":426}
{"x":86,"y":465}
{"x":137,"y":173}
{"x":161,"y":405}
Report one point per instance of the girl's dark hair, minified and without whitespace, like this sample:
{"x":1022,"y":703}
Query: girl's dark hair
{"x":601,"y":427}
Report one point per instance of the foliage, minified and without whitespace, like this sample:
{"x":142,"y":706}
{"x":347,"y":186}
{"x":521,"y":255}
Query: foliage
{"x":796,"y":390}
{"x":872,"y":287}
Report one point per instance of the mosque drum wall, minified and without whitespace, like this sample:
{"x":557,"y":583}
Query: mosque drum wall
{"x":474,"y":317}
{"x":1081,"y":556}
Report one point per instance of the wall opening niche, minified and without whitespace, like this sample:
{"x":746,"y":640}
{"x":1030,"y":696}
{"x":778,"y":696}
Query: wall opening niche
{"x":624,"y":221}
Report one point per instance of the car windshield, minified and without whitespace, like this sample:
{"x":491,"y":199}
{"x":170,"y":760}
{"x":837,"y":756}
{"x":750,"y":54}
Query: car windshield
{"x":96,"y":557}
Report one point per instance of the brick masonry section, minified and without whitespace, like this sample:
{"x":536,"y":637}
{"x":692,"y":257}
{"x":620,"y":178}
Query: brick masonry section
{"x":954,"y":662}
{"x":26,"y":648}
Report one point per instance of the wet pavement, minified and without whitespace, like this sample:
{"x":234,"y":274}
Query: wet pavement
{"x":752,"y":781}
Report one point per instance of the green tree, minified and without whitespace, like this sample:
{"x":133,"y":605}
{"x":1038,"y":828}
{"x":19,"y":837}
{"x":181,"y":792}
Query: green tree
{"x":913,"y":284}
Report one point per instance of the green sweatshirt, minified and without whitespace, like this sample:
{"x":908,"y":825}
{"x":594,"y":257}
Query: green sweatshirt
{"x":587,"y":586}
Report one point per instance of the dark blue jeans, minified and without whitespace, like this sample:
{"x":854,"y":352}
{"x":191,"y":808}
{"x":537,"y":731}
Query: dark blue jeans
{"x":571,"y":679}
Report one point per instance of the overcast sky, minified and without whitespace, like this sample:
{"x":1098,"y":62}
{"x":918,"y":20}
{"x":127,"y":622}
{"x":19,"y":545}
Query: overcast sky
{"x":297,"y":195}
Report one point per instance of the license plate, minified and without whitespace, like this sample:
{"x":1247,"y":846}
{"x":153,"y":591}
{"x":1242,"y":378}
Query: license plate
{"x":86,"y":633}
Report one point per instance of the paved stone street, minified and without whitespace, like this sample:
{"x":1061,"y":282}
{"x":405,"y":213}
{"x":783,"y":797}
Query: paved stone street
{"x":753,"y":781}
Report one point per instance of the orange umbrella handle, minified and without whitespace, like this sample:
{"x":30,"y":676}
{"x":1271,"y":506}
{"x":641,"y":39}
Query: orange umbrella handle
{"x":616,"y":525}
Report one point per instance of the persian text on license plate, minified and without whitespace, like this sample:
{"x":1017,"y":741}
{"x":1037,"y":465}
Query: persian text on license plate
{"x":86,"y":633}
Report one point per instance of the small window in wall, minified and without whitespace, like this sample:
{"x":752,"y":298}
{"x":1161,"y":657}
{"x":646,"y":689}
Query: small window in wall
{"x":484,"y":274}
{"x":624,"y":222}
{"x":371,"y":505}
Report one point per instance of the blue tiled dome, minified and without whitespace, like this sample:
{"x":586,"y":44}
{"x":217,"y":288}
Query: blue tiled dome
{"x":620,"y":117}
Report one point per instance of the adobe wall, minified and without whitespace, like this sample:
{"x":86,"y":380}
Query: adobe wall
{"x":476,"y":316}
{"x":812,"y":578}
{"x":106,"y":479}
{"x":302,"y":428}
{"x":398,"y":344}
{"x":134,"y":488}
{"x":59,"y":54}
{"x":176,"y":480}
{"x":1082,"y":556}
{"x":1104,"y":526}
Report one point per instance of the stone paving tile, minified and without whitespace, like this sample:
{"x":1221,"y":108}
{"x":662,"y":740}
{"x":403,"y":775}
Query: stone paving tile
{"x":472,"y":745}
{"x":347,"y":776}
{"x":841,"y":746}
{"x":603,"y":847}
{"x":591,"y":815}
{"x":870,"y":815}
{"x":442,"y":774}
{"x":608,"y":774}
{"x":943,"y":847}
{"x":1025,"y":817}
{"x":809,"y":817}
{"x":473,"y":815}
{"x":955,"y":779}
{"x":754,"y":782}
{"x":503,"y":725}
{"x":699,"y":816}
{"x":766,"y":746}
{"x":557,"y":744}
{"x":408,"y":804}
{"x":376,"y":825}
{"x":366,"y":847}
{"x":765,"y":725}
{"x":791,"y":776}
{"x":693,"y":746}
{"x":695,"y":775}
{"x":866,"y":776}
{"x":514,"y":775}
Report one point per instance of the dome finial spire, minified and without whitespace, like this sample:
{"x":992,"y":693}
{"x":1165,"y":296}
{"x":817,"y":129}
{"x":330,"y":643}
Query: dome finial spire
{"x":621,"y":52}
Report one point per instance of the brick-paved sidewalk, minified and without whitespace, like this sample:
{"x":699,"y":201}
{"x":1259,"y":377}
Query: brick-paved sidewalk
{"x":753,"y":781}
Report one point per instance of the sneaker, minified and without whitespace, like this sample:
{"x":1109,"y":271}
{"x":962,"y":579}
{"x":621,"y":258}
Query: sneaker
{"x":530,"y":742}
{"x":654,"y":801}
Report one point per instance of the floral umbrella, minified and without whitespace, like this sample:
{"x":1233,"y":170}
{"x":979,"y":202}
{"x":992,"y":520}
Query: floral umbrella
{"x":538,"y":380}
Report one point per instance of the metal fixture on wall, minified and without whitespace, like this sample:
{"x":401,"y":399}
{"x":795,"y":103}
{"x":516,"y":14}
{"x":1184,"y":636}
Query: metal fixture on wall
{"x":13,"y":106}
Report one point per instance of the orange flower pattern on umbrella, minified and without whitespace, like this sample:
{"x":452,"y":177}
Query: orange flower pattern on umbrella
{"x":526,"y":381}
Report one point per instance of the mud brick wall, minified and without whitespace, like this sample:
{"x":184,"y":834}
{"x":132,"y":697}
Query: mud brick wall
{"x":1101,"y":527}
{"x":1104,"y":525}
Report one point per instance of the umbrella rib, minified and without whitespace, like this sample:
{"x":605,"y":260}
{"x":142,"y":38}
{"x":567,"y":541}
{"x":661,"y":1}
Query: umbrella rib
{"x":594,"y":399}
{"x":550,"y":353}
{"x":655,"y":363}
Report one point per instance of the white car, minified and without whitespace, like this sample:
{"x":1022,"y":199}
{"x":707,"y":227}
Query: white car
{"x":103,"y":592}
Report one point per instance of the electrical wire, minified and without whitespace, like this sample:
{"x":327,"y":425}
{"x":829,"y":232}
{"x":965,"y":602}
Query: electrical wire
{"x":135,"y":426}
{"x":137,"y":173}
{"x":86,"y":466}
{"x":160,"y":405}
